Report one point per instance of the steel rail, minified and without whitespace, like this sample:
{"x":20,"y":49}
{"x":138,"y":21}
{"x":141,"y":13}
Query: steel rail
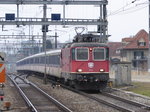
{"x":121,"y":108}
{"x":30,"y":105}
{"x":127,"y":101}
{"x":60,"y":105}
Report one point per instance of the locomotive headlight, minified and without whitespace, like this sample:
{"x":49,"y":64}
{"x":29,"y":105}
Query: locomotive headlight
{"x":90,"y":49}
{"x":101,"y":70}
{"x":79,"y":70}
{"x":96,"y":80}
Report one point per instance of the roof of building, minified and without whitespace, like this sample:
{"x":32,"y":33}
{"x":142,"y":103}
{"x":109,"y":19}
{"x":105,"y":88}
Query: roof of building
{"x":113,"y":46}
{"x":127,"y":39}
{"x":132,"y":42}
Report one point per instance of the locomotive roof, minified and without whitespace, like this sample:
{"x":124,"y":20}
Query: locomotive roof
{"x":56,"y":51}
{"x":85,"y":44}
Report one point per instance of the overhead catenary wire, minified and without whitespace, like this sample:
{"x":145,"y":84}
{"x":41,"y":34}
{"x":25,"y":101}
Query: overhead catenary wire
{"x":135,"y":10}
{"x":129,"y":8}
{"x":124,"y":8}
{"x":120,"y":9}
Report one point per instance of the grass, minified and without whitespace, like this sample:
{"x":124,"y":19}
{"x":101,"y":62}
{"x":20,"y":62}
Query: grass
{"x":142,"y":88}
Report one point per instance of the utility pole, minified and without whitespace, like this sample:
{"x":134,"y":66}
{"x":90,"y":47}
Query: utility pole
{"x":55,"y":40}
{"x":17,"y":13}
{"x":44,"y":39}
{"x":149,"y":40}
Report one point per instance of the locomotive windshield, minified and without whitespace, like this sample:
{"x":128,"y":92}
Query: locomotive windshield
{"x":99,"y":53}
{"x":82,"y":54}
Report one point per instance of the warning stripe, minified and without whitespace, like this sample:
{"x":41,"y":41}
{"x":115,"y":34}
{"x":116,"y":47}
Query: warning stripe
{"x":2,"y":68}
{"x":2,"y":73}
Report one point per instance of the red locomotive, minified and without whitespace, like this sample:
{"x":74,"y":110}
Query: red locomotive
{"x":83,"y":64}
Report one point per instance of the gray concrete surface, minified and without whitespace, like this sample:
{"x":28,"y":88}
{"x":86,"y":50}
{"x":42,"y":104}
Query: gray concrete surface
{"x":140,"y":78}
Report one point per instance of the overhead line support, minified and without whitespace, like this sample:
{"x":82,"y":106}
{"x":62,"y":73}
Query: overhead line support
{"x":38,"y":2}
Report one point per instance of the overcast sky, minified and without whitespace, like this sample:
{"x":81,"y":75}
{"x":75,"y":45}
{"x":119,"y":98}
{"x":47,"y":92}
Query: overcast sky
{"x":128,"y":20}
{"x":125,"y":18}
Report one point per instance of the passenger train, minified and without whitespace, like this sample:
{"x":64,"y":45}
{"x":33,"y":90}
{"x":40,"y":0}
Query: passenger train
{"x":83,"y":64}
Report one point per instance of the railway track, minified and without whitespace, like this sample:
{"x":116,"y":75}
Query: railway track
{"x":114,"y":101}
{"x":131,"y":102}
{"x":103,"y":101}
{"x":36,"y":99}
{"x":121,"y":103}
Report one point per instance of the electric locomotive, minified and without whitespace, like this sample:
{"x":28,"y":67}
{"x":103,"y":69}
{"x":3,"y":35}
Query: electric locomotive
{"x":83,"y":64}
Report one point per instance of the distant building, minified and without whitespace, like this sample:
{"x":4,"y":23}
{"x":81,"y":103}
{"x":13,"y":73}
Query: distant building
{"x":132,"y":49}
{"x":59,"y":45}
{"x":136,"y":50}
{"x":29,"y":47}
{"x":115,"y":49}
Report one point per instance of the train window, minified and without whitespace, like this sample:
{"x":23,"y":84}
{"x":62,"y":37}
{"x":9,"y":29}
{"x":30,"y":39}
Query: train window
{"x":36,"y":60}
{"x":31,"y":61}
{"x":107,"y":53}
{"x":28,"y":61}
{"x":82,"y":54}
{"x":42,"y":60}
{"x":51,"y":59}
{"x":25,"y":61}
{"x":73,"y":53}
{"x":47,"y":59}
{"x":58,"y":60}
{"x":99,"y":53}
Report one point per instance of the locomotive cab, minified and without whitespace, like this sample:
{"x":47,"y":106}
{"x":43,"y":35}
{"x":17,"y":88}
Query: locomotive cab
{"x":85,"y":65}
